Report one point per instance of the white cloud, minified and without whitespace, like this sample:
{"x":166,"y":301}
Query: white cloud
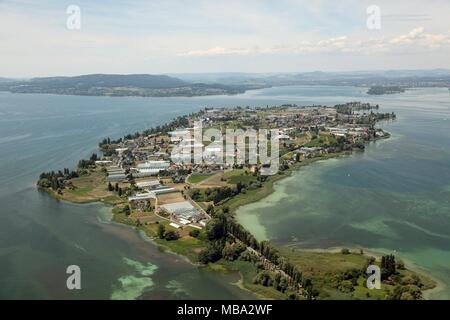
{"x":344,"y":44}
{"x":162,"y":36}
{"x":418,"y":37}
{"x":411,"y":36}
{"x":216,"y":51}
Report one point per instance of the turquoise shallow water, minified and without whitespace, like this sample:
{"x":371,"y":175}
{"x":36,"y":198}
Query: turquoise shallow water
{"x":392,"y":197}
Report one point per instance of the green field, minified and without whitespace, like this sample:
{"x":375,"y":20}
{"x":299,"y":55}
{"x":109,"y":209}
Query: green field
{"x":253,"y":195}
{"x":242,"y":176}
{"x":321,"y":140}
{"x":327,"y":270}
{"x":248,"y":272}
{"x":186,"y":246}
{"x":198,"y":177}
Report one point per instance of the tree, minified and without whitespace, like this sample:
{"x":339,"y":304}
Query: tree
{"x":388,"y":266}
{"x":126,"y":210}
{"x":210,"y":209}
{"x":239,"y":187}
{"x":171,"y":235}
{"x":194,"y":233}
{"x":209,"y":254}
{"x":215,"y":229}
{"x":233,"y":251}
{"x":264,"y":278}
{"x":161,"y":231}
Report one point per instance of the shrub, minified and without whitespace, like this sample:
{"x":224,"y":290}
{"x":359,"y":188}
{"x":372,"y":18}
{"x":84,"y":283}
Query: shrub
{"x":209,"y":254}
{"x":161,"y":231}
{"x":194,"y":233}
{"x":171,"y":235}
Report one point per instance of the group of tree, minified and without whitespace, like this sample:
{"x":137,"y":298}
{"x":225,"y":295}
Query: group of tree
{"x":215,"y":195}
{"x":349,"y":107}
{"x":217,"y":232}
{"x":107,"y":144}
{"x":272,"y":279}
{"x":86,"y":164}
{"x":56,"y":180}
{"x":179,"y":122}
{"x":168,"y":235}
{"x":126,"y":210}
{"x":115,"y":188}
{"x":388,"y":266}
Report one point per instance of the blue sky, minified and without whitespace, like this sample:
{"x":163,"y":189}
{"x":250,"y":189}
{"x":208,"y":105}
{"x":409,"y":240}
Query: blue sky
{"x":220,"y":36}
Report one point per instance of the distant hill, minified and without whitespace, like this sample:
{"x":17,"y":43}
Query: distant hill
{"x":109,"y":81}
{"x":202,"y":84}
{"x":5,"y":80}
{"x":145,"y":85}
{"x":366,"y":78}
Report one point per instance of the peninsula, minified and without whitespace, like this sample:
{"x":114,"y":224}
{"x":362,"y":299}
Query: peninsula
{"x":119,"y":85}
{"x":188,"y":207}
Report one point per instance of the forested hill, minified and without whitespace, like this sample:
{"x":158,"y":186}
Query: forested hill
{"x":118,"y":85}
{"x":108,"y":81}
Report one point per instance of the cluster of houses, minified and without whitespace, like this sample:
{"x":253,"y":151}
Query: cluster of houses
{"x":144,"y":161}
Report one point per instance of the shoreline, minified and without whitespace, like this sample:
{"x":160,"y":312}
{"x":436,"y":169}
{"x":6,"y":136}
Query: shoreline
{"x":233,"y":203}
{"x":270,"y":188}
{"x":438,"y":284}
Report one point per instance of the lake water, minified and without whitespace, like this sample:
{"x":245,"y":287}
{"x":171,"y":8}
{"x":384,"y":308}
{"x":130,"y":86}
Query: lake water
{"x":394,"y":196}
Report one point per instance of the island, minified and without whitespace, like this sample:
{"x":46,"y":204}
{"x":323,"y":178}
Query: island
{"x":188,"y":207}
{"x":379,"y":90}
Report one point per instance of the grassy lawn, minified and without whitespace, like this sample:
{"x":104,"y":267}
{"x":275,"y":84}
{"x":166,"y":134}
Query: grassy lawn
{"x":112,"y":199}
{"x":89,"y":188}
{"x":120,"y":217}
{"x":248,"y":272}
{"x":186,"y":246}
{"x":323,"y":269}
{"x":252,"y":195}
{"x":197,"y":178}
{"x":302,"y":139}
{"x":321,"y":140}
{"x":230,"y":173}
{"x":242,"y":176}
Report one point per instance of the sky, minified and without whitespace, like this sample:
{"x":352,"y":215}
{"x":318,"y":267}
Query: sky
{"x":42,"y":38}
